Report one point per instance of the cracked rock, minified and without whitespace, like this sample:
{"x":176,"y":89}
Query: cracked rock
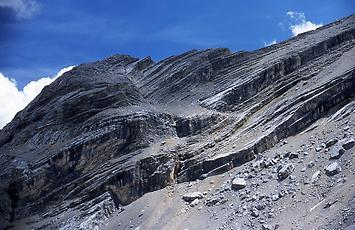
{"x":337,"y":152}
{"x":285,"y":171}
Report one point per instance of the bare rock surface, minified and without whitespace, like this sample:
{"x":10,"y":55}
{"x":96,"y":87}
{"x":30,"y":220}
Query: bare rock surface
{"x":349,"y":144}
{"x":333,"y":169}
{"x":238,"y":183}
{"x":128,"y":143}
{"x":285,"y":171}
{"x":192,"y":196}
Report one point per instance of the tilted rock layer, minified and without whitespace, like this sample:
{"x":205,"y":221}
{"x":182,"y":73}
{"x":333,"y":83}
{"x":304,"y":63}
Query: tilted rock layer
{"x":106,"y":133}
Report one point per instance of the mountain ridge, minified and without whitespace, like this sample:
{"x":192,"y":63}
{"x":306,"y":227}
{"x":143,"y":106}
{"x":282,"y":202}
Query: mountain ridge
{"x":108,"y":132}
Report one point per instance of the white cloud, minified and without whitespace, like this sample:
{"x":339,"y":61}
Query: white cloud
{"x":300,"y":24}
{"x":304,"y":27}
{"x":24,"y":9}
{"x":273,"y":42}
{"x":13,"y":100}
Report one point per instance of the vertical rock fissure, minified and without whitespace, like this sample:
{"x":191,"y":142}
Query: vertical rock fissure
{"x":13,"y":195}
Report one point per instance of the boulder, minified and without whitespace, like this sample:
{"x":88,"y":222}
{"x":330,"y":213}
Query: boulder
{"x":211,"y":201}
{"x":285,"y":171}
{"x":310,"y":164}
{"x":348,"y":144}
{"x":336,"y":152}
{"x":192,"y":196}
{"x":331,"y":142}
{"x":315,"y":177}
{"x":267,"y":227}
{"x":195,"y":202}
{"x":332,"y":169}
{"x":254,"y":212}
{"x":293,"y":155}
{"x":260,"y":206}
{"x":238,"y":183}
{"x":275,"y":197}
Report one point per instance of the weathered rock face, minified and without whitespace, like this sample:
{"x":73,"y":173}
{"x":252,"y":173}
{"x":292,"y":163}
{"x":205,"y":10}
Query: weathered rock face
{"x":238,"y":183}
{"x":105,"y":133}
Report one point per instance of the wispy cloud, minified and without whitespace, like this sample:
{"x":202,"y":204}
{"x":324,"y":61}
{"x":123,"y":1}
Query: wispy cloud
{"x":273,"y":42}
{"x":300,"y":24}
{"x":24,"y":9}
{"x":13,"y":100}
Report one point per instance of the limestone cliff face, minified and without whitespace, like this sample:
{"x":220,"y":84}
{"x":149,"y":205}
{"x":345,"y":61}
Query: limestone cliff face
{"x":107,"y":132}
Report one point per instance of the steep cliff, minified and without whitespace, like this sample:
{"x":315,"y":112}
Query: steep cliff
{"x":106,"y":133}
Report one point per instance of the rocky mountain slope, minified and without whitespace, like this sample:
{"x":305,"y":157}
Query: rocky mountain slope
{"x":204,"y":140}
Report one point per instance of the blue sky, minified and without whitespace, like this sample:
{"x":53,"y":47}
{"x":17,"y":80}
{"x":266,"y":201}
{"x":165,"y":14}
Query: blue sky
{"x":40,"y":37}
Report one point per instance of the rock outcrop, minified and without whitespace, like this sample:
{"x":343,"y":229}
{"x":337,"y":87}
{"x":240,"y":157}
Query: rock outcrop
{"x":105,"y":133}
